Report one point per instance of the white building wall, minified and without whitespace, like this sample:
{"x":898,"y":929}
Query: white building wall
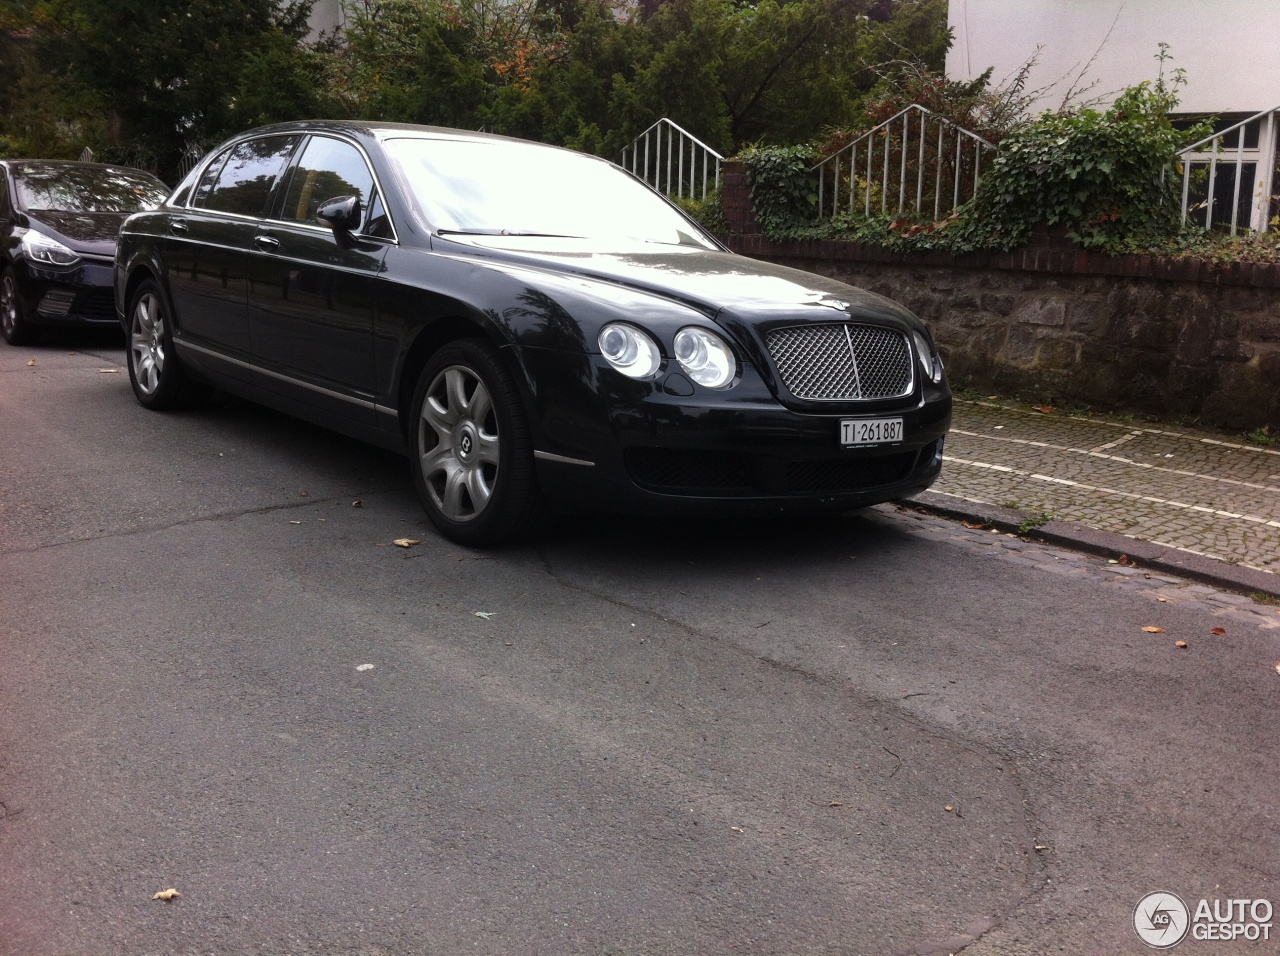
{"x":1230,"y":49}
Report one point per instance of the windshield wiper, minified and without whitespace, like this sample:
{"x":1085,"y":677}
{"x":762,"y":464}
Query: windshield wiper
{"x":504,"y":232}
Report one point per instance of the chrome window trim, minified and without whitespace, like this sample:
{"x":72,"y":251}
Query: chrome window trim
{"x":308,"y":136}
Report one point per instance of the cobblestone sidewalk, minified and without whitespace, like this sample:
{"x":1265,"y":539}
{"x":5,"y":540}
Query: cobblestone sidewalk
{"x":1196,"y":492}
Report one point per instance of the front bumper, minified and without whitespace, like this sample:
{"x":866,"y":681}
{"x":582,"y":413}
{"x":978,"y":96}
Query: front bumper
{"x":79,"y":296}
{"x":608,"y":444}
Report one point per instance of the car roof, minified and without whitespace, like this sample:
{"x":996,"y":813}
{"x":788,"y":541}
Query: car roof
{"x":380,"y":131}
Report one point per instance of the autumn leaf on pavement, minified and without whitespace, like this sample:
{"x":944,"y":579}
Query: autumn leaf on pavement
{"x":1043,"y":409}
{"x":31,"y":363}
{"x":485,"y":614}
{"x":1220,"y":631}
{"x":1153,"y":630}
{"x":405,"y":542}
{"x":1182,"y":644}
{"x":167,"y":895}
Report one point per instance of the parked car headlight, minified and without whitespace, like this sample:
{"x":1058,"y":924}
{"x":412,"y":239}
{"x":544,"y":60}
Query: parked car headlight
{"x":41,"y":248}
{"x":629,"y":350}
{"x":705,"y":357}
{"x":930,"y":361}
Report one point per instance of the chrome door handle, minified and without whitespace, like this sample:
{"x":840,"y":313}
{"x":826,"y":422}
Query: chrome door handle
{"x":266,"y":243}
{"x":178,"y":227}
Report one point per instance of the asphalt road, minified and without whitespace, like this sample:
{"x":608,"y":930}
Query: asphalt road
{"x":875,"y":733}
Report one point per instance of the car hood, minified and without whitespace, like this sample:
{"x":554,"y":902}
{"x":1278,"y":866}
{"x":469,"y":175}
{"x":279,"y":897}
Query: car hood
{"x":92,"y":233}
{"x":709,"y":281}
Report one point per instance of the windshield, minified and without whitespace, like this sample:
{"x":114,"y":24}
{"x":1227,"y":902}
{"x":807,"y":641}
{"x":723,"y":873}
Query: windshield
{"x":87,"y":189}
{"x":490,"y":187}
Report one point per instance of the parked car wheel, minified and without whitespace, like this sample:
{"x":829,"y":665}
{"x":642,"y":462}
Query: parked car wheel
{"x":471,"y":452}
{"x":159,"y":380}
{"x":12,"y":323}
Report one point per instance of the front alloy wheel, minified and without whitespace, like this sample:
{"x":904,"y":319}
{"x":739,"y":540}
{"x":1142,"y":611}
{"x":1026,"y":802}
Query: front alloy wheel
{"x":459,"y":442}
{"x":471,"y":449}
{"x":12,"y":325}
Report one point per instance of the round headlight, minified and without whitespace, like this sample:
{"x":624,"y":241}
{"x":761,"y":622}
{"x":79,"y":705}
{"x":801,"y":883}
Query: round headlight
{"x":705,"y":357}
{"x":629,"y":350}
{"x":930,"y":361}
{"x":51,"y":252}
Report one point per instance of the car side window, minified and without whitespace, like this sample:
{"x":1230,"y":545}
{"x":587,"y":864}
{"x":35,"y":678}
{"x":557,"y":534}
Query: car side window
{"x":245,"y":180}
{"x":328,"y":169}
{"x":210,"y":176}
{"x":6,"y":212}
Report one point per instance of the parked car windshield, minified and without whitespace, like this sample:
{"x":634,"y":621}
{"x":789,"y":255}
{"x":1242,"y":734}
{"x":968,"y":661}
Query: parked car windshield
{"x":487,"y":187}
{"x":87,"y":189}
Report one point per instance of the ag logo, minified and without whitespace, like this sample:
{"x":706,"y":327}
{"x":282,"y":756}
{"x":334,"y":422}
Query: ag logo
{"x":1161,"y":920}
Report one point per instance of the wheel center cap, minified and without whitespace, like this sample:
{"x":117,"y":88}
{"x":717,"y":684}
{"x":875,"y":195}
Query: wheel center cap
{"x":466,"y":442}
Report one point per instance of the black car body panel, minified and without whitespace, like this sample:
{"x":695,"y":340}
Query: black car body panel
{"x":337,"y":327}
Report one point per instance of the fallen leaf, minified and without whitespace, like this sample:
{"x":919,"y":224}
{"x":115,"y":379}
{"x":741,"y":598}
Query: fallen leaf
{"x":1163,"y":600}
{"x":949,"y":808}
{"x":1040,"y":847}
{"x":1124,"y":559}
{"x":167,"y":895}
{"x":1220,"y":631}
{"x":485,"y":614}
{"x":405,"y":542}
{"x":364,"y":667}
{"x":1182,"y":644}
{"x":1043,"y":409}
{"x":506,"y":643}
{"x":109,"y":371}
{"x":1278,"y":667}
{"x":736,"y":829}
{"x":1153,"y":630}
{"x":304,"y":494}
{"x":357,"y":503}
{"x":295,"y":522}
{"x":31,"y":363}
{"x":970,"y":524}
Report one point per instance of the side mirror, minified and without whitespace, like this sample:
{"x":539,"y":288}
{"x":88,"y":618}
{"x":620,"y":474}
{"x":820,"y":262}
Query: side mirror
{"x":342,"y":215}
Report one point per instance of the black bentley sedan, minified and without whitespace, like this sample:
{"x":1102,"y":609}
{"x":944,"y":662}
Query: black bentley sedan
{"x":535,"y":328}
{"x":58,"y":226}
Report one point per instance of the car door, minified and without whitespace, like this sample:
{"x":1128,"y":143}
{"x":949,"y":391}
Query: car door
{"x":313,"y":294}
{"x":207,"y":249}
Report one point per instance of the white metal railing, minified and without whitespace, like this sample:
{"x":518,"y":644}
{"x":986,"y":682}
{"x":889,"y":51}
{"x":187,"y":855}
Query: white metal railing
{"x":86,"y":155}
{"x":941,"y":157}
{"x":673,"y":161}
{"x":191,"y":154}
{"x":1241,"y":161}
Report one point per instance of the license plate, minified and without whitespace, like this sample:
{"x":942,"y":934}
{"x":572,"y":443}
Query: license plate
{"x":870,"y":431}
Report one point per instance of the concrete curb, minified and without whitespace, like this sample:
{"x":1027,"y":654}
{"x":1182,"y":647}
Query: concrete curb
{"x":1219,"y":574}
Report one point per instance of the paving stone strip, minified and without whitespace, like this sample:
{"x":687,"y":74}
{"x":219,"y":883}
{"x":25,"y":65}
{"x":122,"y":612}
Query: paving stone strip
{"x":1200,"y":492}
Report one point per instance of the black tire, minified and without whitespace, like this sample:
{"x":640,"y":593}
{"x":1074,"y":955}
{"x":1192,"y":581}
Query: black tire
{"x":159,"y":380}
{"x":471,"y":450}
{"x":13,"y":323}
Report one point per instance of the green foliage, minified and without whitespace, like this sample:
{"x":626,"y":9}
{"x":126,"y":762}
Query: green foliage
{"x":708,"y":212}
{"x":159,"y":75}
{"x":1106,"y":177}
{"x":784,"y":189}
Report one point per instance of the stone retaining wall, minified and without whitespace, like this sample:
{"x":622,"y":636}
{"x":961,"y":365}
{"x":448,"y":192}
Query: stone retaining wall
{"x":1171,"y":338}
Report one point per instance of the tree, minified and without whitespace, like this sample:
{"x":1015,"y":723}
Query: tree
{"x":169,"y":73}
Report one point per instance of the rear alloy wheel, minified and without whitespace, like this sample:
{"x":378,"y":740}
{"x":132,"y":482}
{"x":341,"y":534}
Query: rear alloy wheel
{"x":159,"y":380}
{"x":12,"y":325}
{"x":471,"y":451}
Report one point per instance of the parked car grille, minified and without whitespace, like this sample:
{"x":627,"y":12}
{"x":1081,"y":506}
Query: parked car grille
{"x":690,"y":472}
{"x":98,"y":304}
{"x":848,"y":362}
{"x":675,"y":469}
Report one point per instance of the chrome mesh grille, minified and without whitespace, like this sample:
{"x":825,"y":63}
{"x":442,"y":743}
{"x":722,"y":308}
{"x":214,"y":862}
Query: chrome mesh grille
{"x":842,"y":362}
